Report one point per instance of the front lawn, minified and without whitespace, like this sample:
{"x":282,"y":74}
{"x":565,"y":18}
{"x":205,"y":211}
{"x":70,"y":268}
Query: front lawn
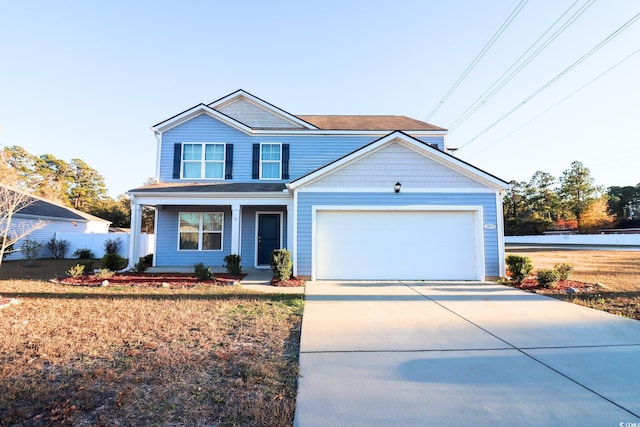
{"x":618,"y":273}
{"x":205,"y":355}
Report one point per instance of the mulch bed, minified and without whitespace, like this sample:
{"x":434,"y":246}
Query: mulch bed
{"x":561,"y":287}
{"x":152,"y":280}
{"x":291,"y":283}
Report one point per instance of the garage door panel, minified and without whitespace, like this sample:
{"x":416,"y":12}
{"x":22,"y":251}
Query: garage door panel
{"x":387,"y":245}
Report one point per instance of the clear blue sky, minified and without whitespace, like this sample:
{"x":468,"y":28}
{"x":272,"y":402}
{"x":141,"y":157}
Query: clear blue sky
{"x":87,"y":79}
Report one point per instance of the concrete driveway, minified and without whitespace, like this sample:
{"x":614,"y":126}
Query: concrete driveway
{"x":481,"y":354}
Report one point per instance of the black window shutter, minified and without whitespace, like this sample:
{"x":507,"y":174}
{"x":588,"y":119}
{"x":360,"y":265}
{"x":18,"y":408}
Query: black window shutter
{"x":255,"y":171}
{"x":228,"y":163}
{"x":177,"y":159}
{"x":285,"y":161}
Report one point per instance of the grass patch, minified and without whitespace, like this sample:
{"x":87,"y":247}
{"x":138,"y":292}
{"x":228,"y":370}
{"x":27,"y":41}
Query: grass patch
{"x":146,"y":356}
{"x":617,"y":271}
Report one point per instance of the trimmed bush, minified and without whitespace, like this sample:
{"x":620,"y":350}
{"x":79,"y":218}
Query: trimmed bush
{"x":113,"y":262}
{"x":112,"y":246}
{"x":76,"y":271}
{"x":104,"y":273}
{"x":547,"y":277}
{"x":564,"y":270}
{"x":147,"y":260}
{"x":519,"y":267}
{"x":232,"y":264}
{"x":84,"y":253}
{"x":202,"y":272}
{"x":281,"y":264}
{"x":30,"y":249}
{"x":58,"y":248}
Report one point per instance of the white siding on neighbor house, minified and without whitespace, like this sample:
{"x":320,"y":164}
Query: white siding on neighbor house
{"x":43,"y":235}
{"x":395,"y":163}
{"x":486,"y":200}
{"x":255,"y":116}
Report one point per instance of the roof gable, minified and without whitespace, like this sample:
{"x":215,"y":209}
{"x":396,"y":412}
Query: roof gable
{"x":421,"y":164}
{"x":257,"y":113}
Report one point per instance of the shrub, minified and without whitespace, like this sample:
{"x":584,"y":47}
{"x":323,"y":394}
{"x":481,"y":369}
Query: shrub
{"x":87,"y":264}
{"x":84,"y":253}
{"x":104,"y":273}
{"x":519,"y":267}
{"x":140,"y":266}
{"x":30,"y":249}
{"x":147,"y":260}
{"x":112,"y":246}
{"x":76,"y":271}
{"x":203,"y":272}
{"x":547,"y":277}
{"x":58,"y":248}
{"x":564,"y":270}
{"x":232,"y":264}
{"x":281,"y":264}
{"x":113,"y":262}
{"x":8,"y":249}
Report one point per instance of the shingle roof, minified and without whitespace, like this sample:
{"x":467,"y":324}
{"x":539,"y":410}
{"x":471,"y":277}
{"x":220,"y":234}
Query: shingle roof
{"x":389,"y":123}
{"x":40,"y":207}
{"x":222,"y":187}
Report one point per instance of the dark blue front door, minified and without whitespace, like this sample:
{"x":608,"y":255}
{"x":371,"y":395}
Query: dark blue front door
{"x":268,"y":236}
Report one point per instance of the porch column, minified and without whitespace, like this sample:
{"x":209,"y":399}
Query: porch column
{"x":134,"y":235}
{"x":290,"y":227}
{"x":235,"y":229}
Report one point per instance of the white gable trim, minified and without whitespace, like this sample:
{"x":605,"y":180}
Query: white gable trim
{"x":241,"y":94}
{"x":196,"y":111}
{"x":411,"y":143}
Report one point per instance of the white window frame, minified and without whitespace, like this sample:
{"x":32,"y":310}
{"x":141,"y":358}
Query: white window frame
{"x":201,"y":232}
{"x":279,"y":162}
{"x":203,"y":162}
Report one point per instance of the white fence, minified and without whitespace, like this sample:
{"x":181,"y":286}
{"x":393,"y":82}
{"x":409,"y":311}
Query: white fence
{"x":620,"y":240}
{"x":95,"y":243}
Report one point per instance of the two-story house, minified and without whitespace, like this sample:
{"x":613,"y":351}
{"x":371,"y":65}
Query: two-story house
{"x":352,"y":197}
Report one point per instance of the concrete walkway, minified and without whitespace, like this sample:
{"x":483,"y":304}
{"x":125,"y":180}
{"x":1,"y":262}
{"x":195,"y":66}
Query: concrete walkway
{"x":461,"y":354}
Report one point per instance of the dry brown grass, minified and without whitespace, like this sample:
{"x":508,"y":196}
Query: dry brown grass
{"x":617,"y":271}
{"x":147,"y":356}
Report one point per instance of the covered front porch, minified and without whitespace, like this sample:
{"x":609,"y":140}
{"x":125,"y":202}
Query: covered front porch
{"x":205,"y":226}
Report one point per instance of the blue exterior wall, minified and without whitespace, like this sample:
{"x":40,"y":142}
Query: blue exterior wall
{"x":307,"y":153}
{"x":307,"y":200}
{"x":167,"y":253}
{"x":248,"y":231}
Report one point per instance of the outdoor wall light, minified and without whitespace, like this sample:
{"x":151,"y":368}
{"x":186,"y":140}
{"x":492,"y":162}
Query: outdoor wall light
{"x":397,"y":187}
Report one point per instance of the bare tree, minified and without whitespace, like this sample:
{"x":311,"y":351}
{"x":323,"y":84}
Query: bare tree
{"x":11,"y":202}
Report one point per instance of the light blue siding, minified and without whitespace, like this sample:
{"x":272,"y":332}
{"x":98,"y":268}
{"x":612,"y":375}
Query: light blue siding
{"x":307,"y":200}
{"x":248,"y":233}
{"x":307,"y":152}
{"x":167,"y":253}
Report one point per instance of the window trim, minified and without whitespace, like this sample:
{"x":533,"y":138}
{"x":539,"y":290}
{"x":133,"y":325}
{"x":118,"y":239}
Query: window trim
{"x":201,"y":232}
{"x":270,"y":161}
{"x":203,"y":162}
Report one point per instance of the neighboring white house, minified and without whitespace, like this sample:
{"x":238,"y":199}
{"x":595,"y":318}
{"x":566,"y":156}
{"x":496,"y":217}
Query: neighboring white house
{"x":58,"y":219}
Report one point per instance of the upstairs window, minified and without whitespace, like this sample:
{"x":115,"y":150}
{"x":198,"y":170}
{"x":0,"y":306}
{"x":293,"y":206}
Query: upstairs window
{"x":200,"y":231}
{"x":203,"y":161}
{"x":270,"y":161}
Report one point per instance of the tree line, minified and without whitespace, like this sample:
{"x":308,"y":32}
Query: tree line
{"x":571,"y":202}
{"x":74,"y":184}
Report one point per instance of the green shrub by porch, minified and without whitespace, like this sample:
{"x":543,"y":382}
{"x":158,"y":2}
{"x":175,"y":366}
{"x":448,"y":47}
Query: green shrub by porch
{"x":519,"y":267}
{"x":281,"y":264}
{"x":232,"y":264}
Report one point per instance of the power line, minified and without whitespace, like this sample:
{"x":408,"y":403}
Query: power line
{"x":557,"y":103}
{"x":556,"y":78}
{"x":499,"y":83}
{"x":477,"y":59}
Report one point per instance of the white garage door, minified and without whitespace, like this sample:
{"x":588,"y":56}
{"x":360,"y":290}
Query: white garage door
{"x":397,"y":245}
